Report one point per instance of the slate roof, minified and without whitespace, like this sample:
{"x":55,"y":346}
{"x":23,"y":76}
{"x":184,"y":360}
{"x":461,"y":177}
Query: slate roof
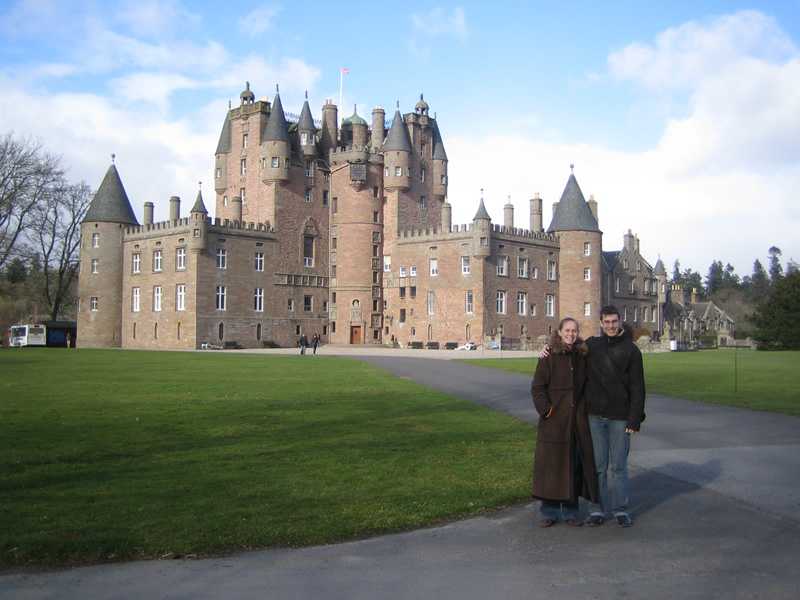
{"x":276,"y":130}
{"x":572,"y":213}
{"x":199,"y":205}
{"x":224,"y":143}
{"x":110,"y":204}
{"x":481,"y":214}
{"x":398,"y":135}
{"x":659,"y":268}
{"x":438,"y":144}
{"x":306,"y":122}
{"x":611,"y":258}
{"x":354,"y":119}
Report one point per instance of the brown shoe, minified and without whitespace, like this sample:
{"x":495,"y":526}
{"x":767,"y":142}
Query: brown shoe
{"x":546,"y":522}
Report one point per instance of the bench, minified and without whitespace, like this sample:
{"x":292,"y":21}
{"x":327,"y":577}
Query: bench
{"x":432,"y":345}
{"x":451,"y":345}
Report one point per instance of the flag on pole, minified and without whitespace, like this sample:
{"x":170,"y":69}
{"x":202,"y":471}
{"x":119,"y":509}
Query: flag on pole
{"x":344,"y":70}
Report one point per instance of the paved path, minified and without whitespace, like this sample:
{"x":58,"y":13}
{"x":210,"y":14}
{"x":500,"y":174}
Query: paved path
{"x":716,"y":505}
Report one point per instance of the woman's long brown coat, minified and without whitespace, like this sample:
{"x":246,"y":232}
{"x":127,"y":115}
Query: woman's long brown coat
{"x":559,"y":383}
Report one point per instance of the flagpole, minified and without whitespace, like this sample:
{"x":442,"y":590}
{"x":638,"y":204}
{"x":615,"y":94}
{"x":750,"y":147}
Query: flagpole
{"x":341,"y":82}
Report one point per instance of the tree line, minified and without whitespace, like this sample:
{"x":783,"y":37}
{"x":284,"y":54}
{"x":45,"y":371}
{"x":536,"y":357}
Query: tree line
{"x":764,"y":303}
{"x":40,"y":216}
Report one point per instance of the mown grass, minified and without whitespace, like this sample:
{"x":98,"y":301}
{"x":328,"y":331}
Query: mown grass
{"x":765,"y":380}
{"x":110,"y":455}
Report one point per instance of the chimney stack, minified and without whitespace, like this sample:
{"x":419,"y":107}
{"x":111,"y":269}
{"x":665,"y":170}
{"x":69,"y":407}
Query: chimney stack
{"x":508,"y":215}
{"x":148,"y":213}
{"x":174,"y":208}
{"x":236,"y":204}
{"x":536,"y":213}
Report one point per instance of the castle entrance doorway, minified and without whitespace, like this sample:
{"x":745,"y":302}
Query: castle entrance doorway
{"x":355,"y":334}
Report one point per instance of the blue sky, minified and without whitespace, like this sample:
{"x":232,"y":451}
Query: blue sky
{"x":683,"y":119}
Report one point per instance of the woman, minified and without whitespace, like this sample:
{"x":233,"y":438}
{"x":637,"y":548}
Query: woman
{"x":563,"y":468}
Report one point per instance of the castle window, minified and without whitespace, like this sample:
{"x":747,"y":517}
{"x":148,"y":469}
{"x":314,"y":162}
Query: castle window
{"x":196,"y":233}
{"x":434,"y":265}
{"x":333,"y":243}
{"x":324,"y":197}
{"x":333,"y":326}
{"x":624,"y":263}
{"x":135,"y":299}
{"x":587,"y":274}
{"x":549,"y":305}
{"x":638,"y":265}
{"x":307,"y":195}
{"x":307,"y":169}
{"x":465,"y":268}
{"x":533,"y":310}
{"x":398,"y":171}
{"x":422,"y":202}
{"x":95,"y":264}
{"x":375,"y":306}
{"x":624,"y":313}
{"x":222,"y":258}
{"x":422,"y":171}
{"x":244,"y":140}
{"x":221,"y":331}
{"x":333,"y":297}
{"x":324,"y":330}
{"x":587,"y":309}
{"x":551,"y":270}
{"x":653,"y":314}
{"x":259,"y":261}
{"x":413,"y":291}
{"x":263,"y":163}
{"x":157,"y":261}
{"x":290,"y":305}
{"x":242,"y":195}
{"x":308,"y":303}
{"x":304,"y":138}
{"x":224,"y":201}
{"x":375,"y":218}
{"x":258,"y":332}
{"x":180,"y":259}
{"x":412,"y":271}
{"x":635,"y":314}
{"x":134,"y":331}
{"x":286,"y":163}
{"x":633,"y":286}
{"x":335,"y":205}
{"x":431,"y":302}
{"x":444,"y":179}
{"x":308,"y":251}
{"x":387,"y":264}
{"x":386,"y":171}
{"x":157,"y":294}
{"x":219,"y":172}
{"x":587,"y":249}
{"x":403,"y":271}
{"x":180,"y":296}
{"x":155,"y":331}
{"x":325,"y":306}
{"x":220,"y":303}
{"x":243,"y":166}
{"x":616,"y":285}
{"x":484,"y":242}
{"x":95,"y":240}
{"x":522,"y":303}
{"x":645,"y":314}
{"x":402,"y":315}
{"x":93,"y":304}
{"x":276,"y":162}
{"x":402,"y":293}
{"x":333,"y":270}
{"x":258,"y":299}
{"x":500,"y":302}
{"x":469,"y":307}
{"x":522,"y":267}
{"x":502,"y":266}
{"x":136,"y":263}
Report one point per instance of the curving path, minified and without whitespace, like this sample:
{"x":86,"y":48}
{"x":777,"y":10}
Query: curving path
{"x":716,"y":502}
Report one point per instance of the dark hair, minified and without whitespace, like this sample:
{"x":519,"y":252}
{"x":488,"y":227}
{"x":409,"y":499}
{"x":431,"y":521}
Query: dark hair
{"x":564,"y":320}
{"x":608,"y":311}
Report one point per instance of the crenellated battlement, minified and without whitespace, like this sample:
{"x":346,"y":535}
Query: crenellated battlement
{"x":523,"y":234}
{"x":435,"y":233}
{"x":183,"y":225}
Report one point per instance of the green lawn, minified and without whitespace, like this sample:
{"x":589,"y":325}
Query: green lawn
{"x":120,"y":454}
{"x":766,"y":380}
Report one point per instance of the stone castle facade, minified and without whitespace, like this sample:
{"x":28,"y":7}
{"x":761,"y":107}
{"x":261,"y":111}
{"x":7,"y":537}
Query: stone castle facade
{"x":346,"y":232}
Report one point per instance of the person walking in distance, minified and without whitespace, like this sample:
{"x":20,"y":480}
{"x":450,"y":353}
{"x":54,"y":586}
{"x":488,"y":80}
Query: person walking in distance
{"x":563,"y":468}
{"x":315,"y":343}
{"x":615,"y":392}
{"x":303,"y":344}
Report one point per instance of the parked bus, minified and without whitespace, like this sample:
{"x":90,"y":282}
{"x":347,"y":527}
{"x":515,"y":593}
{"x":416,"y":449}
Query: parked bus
{"x":28,"y":335}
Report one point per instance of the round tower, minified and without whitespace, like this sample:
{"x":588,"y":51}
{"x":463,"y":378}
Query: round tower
{"x":481,"y":231}
{"x":102,"y":262}
{"x":508,"y":214}
{"x":439,"y":163}
{"x":579,"y":268}
{"x":397,"y":155}
{"x":275,"y":144}
{"x":358,"y":129}
{"x":330,"y":128}
{"x":378,"y":124}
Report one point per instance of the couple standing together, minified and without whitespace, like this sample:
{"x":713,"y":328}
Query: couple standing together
{"x":590,"y":398}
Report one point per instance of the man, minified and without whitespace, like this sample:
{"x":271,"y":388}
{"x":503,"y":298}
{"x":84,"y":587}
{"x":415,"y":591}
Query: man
{"x":615,"y":392}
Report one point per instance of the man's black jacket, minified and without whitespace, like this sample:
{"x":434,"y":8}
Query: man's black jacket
{"x":615,"y":386}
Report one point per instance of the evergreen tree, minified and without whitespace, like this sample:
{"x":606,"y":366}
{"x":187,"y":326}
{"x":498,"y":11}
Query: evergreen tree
{"x":676,"y":272}
{"x":775,"y":268}
{"x":692,"y":280}
{"x":714,"y":279}
{"x":729,"y":278}
{"x":16,"y":271}
{"x":776,"y":319}
{"x":792,"y":267}
{"x":759,"y":283}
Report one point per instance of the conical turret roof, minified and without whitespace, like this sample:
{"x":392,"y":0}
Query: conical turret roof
{"x":110,"y":204}
{"x":199,"y":205}
{"x":306,"y":122}
{"x":277,"y":130}
{"x":398,"y":135}
{"x":482,"y":213}
{"x":224,"y":143}
{"x":438,"y":144}
{"x":572,"y":213}
{"x":659,"y":268}
{"x":355,"y":118}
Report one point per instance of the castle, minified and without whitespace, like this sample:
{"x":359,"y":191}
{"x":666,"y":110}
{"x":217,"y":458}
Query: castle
{"x":347,"y":232}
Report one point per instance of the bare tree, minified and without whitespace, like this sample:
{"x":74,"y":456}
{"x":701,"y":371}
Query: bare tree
{"x":55,"y":230}
{"x":27,"y":173}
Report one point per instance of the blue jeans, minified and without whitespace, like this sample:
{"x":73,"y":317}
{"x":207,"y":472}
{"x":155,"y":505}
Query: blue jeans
{"x":611,"y":446}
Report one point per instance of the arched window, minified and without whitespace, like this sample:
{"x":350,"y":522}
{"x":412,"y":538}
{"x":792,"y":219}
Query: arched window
{"x":134,"y":331}
{"x":258,"y":332}
{"x":221,"y":331}
{"x":356,"y":304}
{"x":179,"y":330}
{"x":430,"y":332}
{"x":155,"y":331}
{"x":466,"y":332}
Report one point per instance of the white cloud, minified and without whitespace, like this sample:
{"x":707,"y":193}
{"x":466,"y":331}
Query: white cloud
{"x":155,"y":17}
{"x":258,"y":20}
{"x":152,"y":88}
{"x":438,"y":22}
